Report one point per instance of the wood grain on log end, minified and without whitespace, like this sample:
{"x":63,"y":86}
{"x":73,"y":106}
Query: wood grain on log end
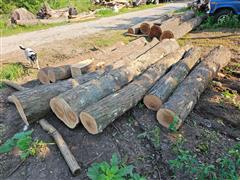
{"x":43,"y":75}
{"x":89,"y":123}
{"x":145,"y":28}
{"x":155,"y":31}
{"x":64,"y":112}
{"x":152,"y":102}
{"x":168,"y":118}
{"x":166,"y":35}
{"x":19,"y":107}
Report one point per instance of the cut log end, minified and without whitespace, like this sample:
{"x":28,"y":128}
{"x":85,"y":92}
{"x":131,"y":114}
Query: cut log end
{"x":18,"y":105}
{"x":152,"y":102}
{"x":64,"y":112}
{"x":43,"y":77}
{"x":130,"y":31}
{"x":155,"y":31}
{"x":89,"y":123}
{"x":168,"y":119}
{"x":166,"y":35}
{"x":145,"y":28}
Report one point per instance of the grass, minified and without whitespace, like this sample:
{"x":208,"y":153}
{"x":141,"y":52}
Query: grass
{"x":82,"y":6}
{"x":12,"y":72}
{"x":231,"y":97}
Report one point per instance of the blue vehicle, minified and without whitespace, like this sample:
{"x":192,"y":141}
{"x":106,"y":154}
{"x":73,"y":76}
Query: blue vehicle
{"x":221,"y":8}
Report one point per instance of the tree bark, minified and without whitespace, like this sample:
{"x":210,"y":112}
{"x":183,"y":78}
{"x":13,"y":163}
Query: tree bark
{"x":98,"y":116}
{"x":43,"y":75}
{"x":74,"y":101}
{"x":33,"y":104}
{"x":63,"y":147}
{"x":184,"y":98}
{"x":164,"y":87}
{"x":59,"y":73}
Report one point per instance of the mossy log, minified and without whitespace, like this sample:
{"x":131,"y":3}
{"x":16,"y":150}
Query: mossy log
{"x":74,"y":101}
{"x":184,"y":98}
{"x":97,"y":117}
{"x":164,"y":87}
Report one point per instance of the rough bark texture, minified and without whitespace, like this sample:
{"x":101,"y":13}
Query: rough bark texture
{"x":33,"y":104}
{"x":164,"y":87}
{"x":184,"y":98}
{"x":99,"y":115}
{"x":75,"y":100}
{"x":43,"y":75}
{"x":187,"y":26}
{"x":59,"y":73}
{"x":63,"y":147}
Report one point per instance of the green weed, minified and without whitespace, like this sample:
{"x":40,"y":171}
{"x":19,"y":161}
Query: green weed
{"x":115,"y":170}
{"x":231,"y":97}
{"x":153,"y":135}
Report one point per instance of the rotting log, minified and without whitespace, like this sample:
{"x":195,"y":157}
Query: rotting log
{"x":65,"y":151}
{"x":184,"y":98}
{"x":33,"y":104}
{"x":43,"y":75}
{"x":59,"y":73}
{"x":81,"y":68}
{"x":164,"y":87}
{"x":98,"y":116}
{"x":187,"y":26}
{"x":75,"y":100}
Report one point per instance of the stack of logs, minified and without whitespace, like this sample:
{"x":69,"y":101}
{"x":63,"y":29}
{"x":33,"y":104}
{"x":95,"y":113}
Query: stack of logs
{"x":157,"y":72}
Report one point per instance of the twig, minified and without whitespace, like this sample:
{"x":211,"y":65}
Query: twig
{"x":16,"y":168}
{"x":94,"y":159}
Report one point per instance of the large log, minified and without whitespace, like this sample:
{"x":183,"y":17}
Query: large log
{"x":163,"y":88}
{"x":74,"y":101}
{"x":59,"y":73}
{"x":184,"y":98}
{"x":99,"y":115}
{"x":33,"y":104}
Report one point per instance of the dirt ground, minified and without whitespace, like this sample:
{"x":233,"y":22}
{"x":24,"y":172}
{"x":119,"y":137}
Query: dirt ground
{"x":214,"y":122}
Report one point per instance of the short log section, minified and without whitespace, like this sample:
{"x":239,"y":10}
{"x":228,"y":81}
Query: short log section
{"x":43,"y":75}
{"x":81,"y":68}
{"x":184,"y":98}
{"x":59,"y":73}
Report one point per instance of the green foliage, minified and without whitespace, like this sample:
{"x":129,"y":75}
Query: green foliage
{"x":182,"y":10}
{"x":113,"y":171}
{"x":174,"y":124}
{"x":153,"y":135}
{"x":231,"y":97}
{"x":231,"y":21}
{"x":226,"y":167}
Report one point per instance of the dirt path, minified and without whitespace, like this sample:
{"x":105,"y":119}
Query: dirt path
{"x":33,"y":39}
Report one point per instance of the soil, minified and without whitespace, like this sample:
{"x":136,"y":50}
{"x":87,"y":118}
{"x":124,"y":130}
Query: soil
{"x":213,"y":122}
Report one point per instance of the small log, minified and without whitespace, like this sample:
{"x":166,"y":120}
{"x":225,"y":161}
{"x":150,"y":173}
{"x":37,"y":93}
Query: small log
{"x":63,"y":147}
{"x":160,"y":92}
{"x":81,"y":68}
{"x":166,"y":35}
{"x":59,"y":73}
{"x":98,"y":116}
{"x":33,"y":104}
{"x":43,"y":75}
{"x":14,"y":85}
{"x":74,"y":101}
{"x":184,"y":98}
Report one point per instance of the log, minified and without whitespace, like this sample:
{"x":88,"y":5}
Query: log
{"x":187,"y":26}
{"x":74,"y":101}
{"x":14,"y":85}
{"x":81,"y":68}
{"x":155,"y":31}
{"x":43,"y":75}
{"x":63,"y":147}
{"x":97,"y":117}
{"x":59,"y":73}
{"x":134,"y":30}
{"x":184,"y":98}
{"x":163,"y":88}
{"x":166,"y":35}
{"x":33,"y":104}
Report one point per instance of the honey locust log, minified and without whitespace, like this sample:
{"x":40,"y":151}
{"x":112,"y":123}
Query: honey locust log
{"x":97,"y":117}
{"x":72,"y":102}
{"x":63,"y":147}
{"x":43,"y":75}
{"x":187,"y":26}
{"x":59,"y":73}
{"x":33,"y":104}
{"x":164,"y":87}
{"x":184,"y":98}
{"x":81,"y":68}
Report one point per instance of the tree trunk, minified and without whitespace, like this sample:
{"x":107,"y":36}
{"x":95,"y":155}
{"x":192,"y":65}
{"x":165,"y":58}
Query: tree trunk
{"x":33,"y":104}
{"x":163,"y":88}
{"x":43,"y":75}
{"x":74,"y":101}
{"x":184,"y":98}
{"x":59,"y":73}
{"x":81,"y":68}
{"x":186,"y":27}
{"x":98,"y":116}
